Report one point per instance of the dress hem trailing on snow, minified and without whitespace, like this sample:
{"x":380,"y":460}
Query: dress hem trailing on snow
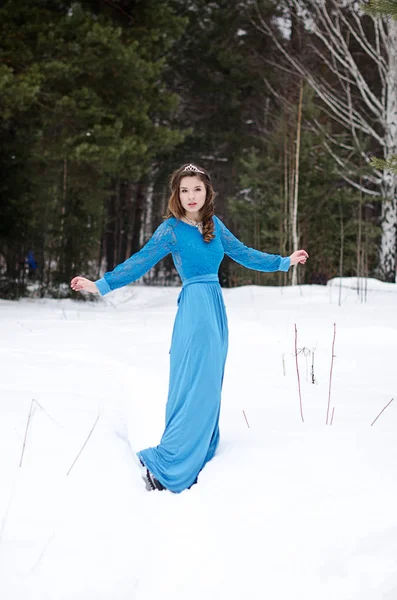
{"x":197,"y":361}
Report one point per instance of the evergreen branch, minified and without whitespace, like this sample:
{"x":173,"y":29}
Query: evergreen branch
{"x":387,"y":165}
{"x":387,"y":8}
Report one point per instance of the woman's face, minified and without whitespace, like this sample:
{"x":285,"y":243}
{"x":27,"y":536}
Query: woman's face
{"x":192,"y":195}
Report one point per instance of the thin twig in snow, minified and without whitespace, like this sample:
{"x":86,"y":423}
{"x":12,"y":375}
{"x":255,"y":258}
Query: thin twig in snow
{"x":17,"y":432}
{"x":282,"y":357}
{"x":4,"y":520}
{"x":48,"y":415}
{"x":382,"y":411}
{"x":297,"y":371}
{"x":332,"y":416}
{"x":246,"y":420}
{"x":330,"y":375}
{"x":306,"y":353}
{"x":26,"y":432}
{"x":23,"y":326}
{"x":312,"y":370}
{"x":42,"y":553}
{"x":89,"y":435}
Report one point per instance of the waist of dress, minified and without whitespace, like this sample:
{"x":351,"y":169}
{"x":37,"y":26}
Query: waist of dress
{"x":209,"y":278}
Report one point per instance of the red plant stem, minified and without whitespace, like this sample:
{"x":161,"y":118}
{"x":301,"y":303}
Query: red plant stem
{"x":297,"y":370}
{"x":332,"y":416}
{"x":330,"y":375}
{"x":26,"y":433}
{"x":246,"y":420}
{"x":382,"y":411}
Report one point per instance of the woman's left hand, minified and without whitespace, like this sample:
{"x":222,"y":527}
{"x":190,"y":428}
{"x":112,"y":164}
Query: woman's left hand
{"x":300,"y":256}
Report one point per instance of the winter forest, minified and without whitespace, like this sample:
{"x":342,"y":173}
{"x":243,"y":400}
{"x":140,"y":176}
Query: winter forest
{"x":291,"y":105}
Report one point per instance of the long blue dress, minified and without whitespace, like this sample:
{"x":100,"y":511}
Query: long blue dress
{"x":199,"y":341}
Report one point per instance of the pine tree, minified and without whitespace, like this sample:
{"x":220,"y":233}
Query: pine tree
{"x":84,"y":105}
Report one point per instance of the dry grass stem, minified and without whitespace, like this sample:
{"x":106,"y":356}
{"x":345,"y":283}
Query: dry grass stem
{"x":297,"y":371}
{"x":26,"y":432}
{"x":42,"y":553}
{"x":382,"y":411}
{"x":5,"y":517}
{"x":312,"y":369}
{"x":330,"y":375}
{"x":83,"y":446}
{"x":46,"y":413}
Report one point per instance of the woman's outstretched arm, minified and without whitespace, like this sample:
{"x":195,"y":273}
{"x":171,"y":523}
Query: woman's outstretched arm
{"x":160,"y":244}
{"x":255,"y":259}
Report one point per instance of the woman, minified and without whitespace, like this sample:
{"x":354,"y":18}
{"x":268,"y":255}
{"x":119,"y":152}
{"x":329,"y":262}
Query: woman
{"x":198,"y":241}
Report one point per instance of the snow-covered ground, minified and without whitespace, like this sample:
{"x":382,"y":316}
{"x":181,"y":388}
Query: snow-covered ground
{"x":286,"y":510}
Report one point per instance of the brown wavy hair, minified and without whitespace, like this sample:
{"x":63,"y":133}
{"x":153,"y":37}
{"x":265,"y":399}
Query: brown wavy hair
{"x":175,"y":208}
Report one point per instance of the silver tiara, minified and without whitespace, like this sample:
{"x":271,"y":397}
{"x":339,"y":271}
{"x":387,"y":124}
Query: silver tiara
{"x":194,"y":169}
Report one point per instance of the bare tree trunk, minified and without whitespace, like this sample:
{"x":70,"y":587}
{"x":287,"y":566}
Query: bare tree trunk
{"x":63,"y":208}
{"x":61,"y":257}
{"x":117,"y":222}
{"x":286,"y":228}
{"x":140,"y":193}
{"x":291,"y":194}
{"x":280,"y":225}
{"x":365,"y":264}
{"x":101,"y":245}
{"x":124,"y":222}
{"x":359,"y":244}
{"x":130,"y":201}
{"x":256,"y":243}
{"x":342,"y":240}
{"x":110,"y":231}
{"x":148,"y":226}
{"x":295,"y":240}
{"x":147,"y":221}
{"x":389,"y":183}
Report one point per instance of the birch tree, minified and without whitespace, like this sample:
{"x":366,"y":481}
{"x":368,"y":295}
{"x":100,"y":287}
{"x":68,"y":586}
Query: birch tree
{"x":365,"y":111}
{"x":387,"y":8}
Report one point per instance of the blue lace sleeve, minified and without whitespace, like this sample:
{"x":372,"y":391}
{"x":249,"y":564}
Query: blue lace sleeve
{"x":249,"y":257}
{"x":160,"y":244}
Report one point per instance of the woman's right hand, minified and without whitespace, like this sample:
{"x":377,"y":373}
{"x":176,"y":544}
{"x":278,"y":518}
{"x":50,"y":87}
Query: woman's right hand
{"x":81,"y":283}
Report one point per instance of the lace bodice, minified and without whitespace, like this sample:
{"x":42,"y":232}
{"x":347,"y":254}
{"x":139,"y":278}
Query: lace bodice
{"x":192,"y":256}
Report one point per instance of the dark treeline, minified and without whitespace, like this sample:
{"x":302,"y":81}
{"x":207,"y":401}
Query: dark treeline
{"x":101,"y":101}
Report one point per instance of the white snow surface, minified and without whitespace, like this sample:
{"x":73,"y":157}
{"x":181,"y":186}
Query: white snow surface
{"x":286,"y":510}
